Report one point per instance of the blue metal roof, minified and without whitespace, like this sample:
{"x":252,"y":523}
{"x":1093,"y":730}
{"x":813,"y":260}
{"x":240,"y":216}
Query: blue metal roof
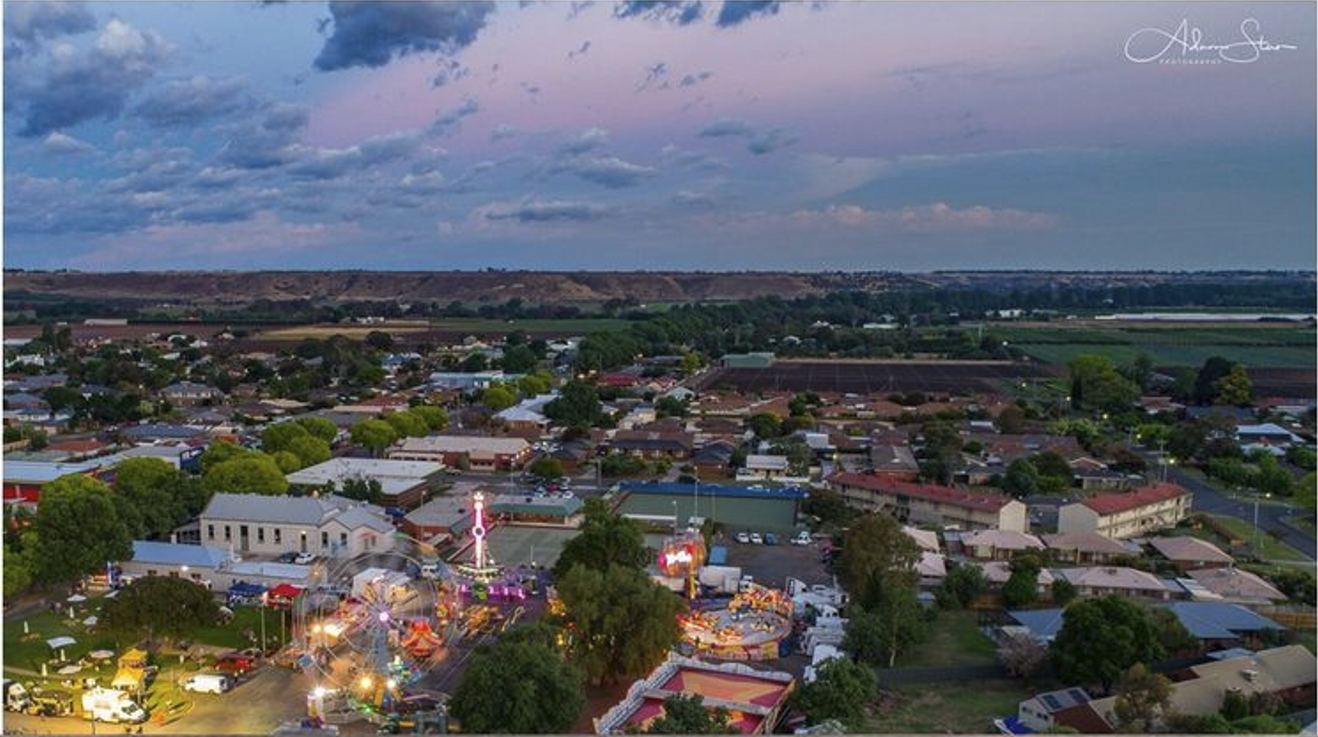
{"x":1211,"y":620}
{"x":197,"y":556}
{"x":661,"y":487}
{"x":1042,"y":623}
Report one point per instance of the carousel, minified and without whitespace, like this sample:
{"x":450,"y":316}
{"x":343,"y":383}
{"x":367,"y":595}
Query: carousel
{"x":752,"y":626}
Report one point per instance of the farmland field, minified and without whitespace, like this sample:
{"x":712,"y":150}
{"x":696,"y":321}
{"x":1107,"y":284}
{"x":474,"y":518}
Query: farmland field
{"x":1264,"y":345}
{"x":862,"y":377}
{"x":450,"y":327}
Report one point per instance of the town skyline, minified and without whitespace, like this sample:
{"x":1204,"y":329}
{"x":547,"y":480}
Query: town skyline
{"x":656,"y":136}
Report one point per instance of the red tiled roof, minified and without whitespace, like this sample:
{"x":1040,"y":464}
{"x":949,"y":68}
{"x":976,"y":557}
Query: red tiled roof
{"x":1108,"y":504}
{"x":942,"y":494}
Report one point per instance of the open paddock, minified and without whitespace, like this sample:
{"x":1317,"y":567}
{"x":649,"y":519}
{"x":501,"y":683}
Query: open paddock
{"x":864,"y":377}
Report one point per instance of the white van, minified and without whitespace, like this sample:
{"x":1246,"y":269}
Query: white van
{"x":215,"y":683}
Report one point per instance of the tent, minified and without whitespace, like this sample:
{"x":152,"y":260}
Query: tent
{"x":244,"y":589}
{"x":283,"y":595}
{"x":56,"y":643}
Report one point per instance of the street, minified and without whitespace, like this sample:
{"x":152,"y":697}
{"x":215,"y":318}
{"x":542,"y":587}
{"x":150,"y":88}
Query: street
{"x":1271,"y":516}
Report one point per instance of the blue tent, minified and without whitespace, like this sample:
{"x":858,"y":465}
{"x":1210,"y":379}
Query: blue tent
{"x":244,"y":589}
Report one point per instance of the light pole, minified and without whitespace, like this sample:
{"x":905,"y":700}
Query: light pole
{"x":263,"y":600}
{"x":1256,"y":520}
{"x":674,"y":516}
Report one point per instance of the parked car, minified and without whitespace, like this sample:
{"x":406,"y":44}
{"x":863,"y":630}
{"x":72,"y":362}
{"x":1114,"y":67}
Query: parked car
{"x":235,"y":664}
{"x":770,"y":538}
{"x":288,"y":557}
{"x":802,"y":538}
{"x":743,"y":537}
{"x":303,"y":558}
{"x":756,"y":539}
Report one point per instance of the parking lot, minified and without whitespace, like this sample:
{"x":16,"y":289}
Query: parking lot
{"x":771,"y":565}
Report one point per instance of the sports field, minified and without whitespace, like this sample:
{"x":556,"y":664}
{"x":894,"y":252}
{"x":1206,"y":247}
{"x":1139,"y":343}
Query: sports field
{"x":521,"y":546}
{"x":762,"y":515}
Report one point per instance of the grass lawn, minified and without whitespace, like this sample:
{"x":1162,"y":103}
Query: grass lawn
{"x":947,"y":707}
{"x":1270,"y":548}
{"x":954,"y":639}
{"x":1304,"y":523}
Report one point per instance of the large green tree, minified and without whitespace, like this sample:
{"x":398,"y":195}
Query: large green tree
{"x":876,"y":545}
{"x":155,"y":606}
{"x":407,"y":424}
{"x":687,"y":714}
{"x":1021,"y":479}
{"x":434,"y":417}
{"x":374,"y":435}
{"x":1022,"y":586}
{"x":519,"y":685}
{"x":890,"y":622}
{"x":578,"y":403}
{"x":78,"y":529}
{"x":153,"y":497}
{"x":621,"y":624}
{"x":1234,"y":388}
{"x":1214,"y":369}
{"x":1096,"y":384}
{"x":1102,"y":637}
{"x":605,"y":538}
{"x":319,"y":427}
{"x":840,"y":691}
{"x":219,"y":452}
{"x":256,"y":473}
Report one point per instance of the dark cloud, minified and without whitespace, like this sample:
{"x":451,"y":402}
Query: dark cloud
{"x":266,"y":143}
{"x":654,"y":77}
{"x":584,"y":141}
{"x":448,"y":70}
{"x":187,"y":103}
{"x":770,"y":140}
{"x":735,"y":12}
{"x":611,"y":172}
{"x":449,"y":121}
{"x":371,"y":34}
{"x":583,"y":48}
{"x":95,"y":84}
{"x":727,"y":127}
{"x":153,"y":170}
{"x":691,"y":80}
{"x":680,"y":12}
{"x":544,"y":211}
{"x":29,"y":22}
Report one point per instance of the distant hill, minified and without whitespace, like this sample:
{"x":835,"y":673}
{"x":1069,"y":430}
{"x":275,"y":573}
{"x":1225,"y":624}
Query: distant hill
{"x":215,"y":287}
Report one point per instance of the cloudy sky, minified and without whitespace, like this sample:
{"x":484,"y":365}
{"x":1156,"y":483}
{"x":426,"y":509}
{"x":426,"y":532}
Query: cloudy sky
{"x":662,"y":135}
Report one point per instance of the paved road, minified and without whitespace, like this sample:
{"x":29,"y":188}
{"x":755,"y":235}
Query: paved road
{"x":1271,"y":516}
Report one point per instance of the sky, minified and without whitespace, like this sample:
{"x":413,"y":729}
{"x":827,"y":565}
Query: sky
{"x":671,"y":135}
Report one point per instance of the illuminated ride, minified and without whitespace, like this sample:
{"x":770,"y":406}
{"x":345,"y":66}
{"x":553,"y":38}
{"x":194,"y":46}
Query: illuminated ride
{"x":752,"y":626}
{"x":682,"y":556}
{"x":374,"y":629}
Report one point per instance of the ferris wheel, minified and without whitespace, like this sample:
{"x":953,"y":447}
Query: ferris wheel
{"x":381,"y":622}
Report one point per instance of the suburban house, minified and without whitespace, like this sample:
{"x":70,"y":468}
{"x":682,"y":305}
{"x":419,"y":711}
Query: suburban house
{"x":1187,"y":553}
{"x":939,"y":505}
{"x":1100,"y":580}
{"x":528,"y":415}
{"x":1130,"y":514}
{"x":1219,"y":625}
{"x":465,"y":381}
{"x":1084,"y":548}
{"x":649,"y":444}
{"x":894,"y":461}
{"x":213,"y":567}
{"x":765,"y":467}
{"x":926,"y":539}
{"x":715,"y":457}
{"x":480,"y":453}
{"x":1284,"y":672}
{"x":993,"y":544}
{"x":403,"y":483}
{"x":1037,"y":713}
{"x":997,"y":572}
{"x":1237,"y":585}
{"x":1268,"y":433}
{"x":23,"y":480}
{"x":271,"y":525}
{"x":191,"y":394}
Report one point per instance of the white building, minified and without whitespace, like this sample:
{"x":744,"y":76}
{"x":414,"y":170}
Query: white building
{"x":271,"y":525}
{"x":1130,"y":514}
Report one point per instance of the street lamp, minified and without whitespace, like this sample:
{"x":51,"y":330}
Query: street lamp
{"x":674,"y":516}
{"x":1256,"y":520}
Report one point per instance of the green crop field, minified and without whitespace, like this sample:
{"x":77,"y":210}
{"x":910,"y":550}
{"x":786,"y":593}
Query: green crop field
{"x":1259,"y":346}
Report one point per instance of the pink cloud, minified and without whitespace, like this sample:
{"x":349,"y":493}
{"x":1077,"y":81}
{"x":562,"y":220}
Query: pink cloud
{"x":938,"y":217}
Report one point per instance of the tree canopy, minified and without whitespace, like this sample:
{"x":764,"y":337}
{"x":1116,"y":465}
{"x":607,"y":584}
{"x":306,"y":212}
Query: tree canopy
{"x":153,"y":497}
{"x":876,"y":545}
{"x":518,"y":685}
{"x":840,"y":691}
{"x":605,"y":538}
{"x":1102,"y":637}
{"x":78,"y":529}
{"x":578,"y":403}
{"x":374,"y":435}
{"x":154,"y":606}
{"x":1096,"y":384}
{"x":687,"y":714}
{"x":255,"y":473}
{"x":621,"y":624}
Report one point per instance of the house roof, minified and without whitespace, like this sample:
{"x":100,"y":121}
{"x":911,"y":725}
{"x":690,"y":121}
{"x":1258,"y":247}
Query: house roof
{"x":1211,"y":620}
{"x":926,"y":539}
{"x":1189,"y":549}
{"x":1065,"y":698}
{"x":43,"y":472}
{"x":942,"y":494}
{"x":1085,"y":542}
{"x":1277,"y":669}
{"x":1109,"y":504}
{"x":297,"y":510}
{"x":1234,"y":583}
{"x":194,"y":556}
{"x":339,"y":469}
{"x":442,"y":511}
{"x":998,"y":571}
{"x":1043,"y":624}
{"x":766,"y":462}
{"x":1000,"y":539}
{"x":1113,"y":577}
{"x":931,"y":565}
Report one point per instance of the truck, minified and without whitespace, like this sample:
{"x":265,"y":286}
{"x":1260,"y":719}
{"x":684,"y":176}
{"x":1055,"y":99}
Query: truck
{"x":110,"y":705}
{"x":50,"y":703}
{"x":726,"y":579}
{"x":16,"y":697}
{"x":216,"y":683}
